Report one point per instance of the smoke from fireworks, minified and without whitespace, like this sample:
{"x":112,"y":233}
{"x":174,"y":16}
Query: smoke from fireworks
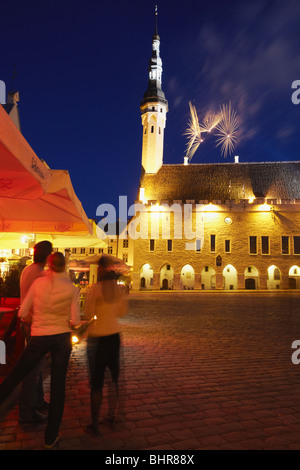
{"x":225,"y":123}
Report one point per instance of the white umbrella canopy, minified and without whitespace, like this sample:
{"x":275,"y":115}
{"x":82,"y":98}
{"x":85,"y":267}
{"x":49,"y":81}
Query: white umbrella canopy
{"x":60,"y":240}
{"x":71,"y":241}
{"x":17,"y":240}
{"x":34,"y":198}
{"x":23,"y":174}
{"x":11,"y":241}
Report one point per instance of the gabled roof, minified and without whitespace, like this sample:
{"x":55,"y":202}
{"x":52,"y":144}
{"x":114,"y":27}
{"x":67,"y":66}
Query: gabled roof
{"x":13,"y":112}
{"x":223,"y":181}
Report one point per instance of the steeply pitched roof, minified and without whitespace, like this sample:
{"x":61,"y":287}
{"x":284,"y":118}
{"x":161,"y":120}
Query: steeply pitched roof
{"x":223,"y":181}
{"x":13,"y":112}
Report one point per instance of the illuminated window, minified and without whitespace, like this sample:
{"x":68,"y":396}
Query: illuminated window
{"x":253,"y":245}
{"x":276,"y":274}
{"x":213,"y":243}
{"x":265,"y":248}
{"x":296,"y":245}
{"x":285,"y":245}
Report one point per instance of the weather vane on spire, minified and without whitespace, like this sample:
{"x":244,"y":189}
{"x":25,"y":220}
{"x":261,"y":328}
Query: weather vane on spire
{"x":156,"y":13}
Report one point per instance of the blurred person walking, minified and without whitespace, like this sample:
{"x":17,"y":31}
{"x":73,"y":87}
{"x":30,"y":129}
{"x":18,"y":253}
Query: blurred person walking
{"x":54,"y":303}
{"x":31,"y":402}
{"x":106,"y":302}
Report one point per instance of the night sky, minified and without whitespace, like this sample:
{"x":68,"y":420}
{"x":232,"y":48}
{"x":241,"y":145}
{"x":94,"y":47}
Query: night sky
{"x":82,"y":70}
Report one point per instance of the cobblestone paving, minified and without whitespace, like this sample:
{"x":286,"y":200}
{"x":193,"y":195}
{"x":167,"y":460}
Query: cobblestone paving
{"x":199,"y":371}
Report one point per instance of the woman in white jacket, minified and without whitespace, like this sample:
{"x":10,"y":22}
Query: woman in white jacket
{"x":54,"y":302}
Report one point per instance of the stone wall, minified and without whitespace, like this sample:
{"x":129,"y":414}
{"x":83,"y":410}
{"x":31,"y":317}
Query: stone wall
{"x":245,"y":220}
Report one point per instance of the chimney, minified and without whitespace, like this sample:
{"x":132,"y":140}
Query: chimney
{"x":236,"y":159}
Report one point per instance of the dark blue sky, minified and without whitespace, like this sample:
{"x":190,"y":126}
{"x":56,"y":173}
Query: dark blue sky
{"x":82,"y":70}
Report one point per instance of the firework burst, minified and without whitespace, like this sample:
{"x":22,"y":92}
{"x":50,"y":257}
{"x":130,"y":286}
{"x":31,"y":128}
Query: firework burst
{"x":210,"y":121}
{"x":224,"y":123}
{"x":227,"y":130}
{"x":193,"y":132}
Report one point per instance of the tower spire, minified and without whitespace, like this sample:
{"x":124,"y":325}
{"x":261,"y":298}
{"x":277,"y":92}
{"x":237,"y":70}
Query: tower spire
{"x":154,"y":91}
{"x":156,"y":14}
{"x":154,"y":108}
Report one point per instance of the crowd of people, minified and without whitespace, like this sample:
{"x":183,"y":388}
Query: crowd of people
{"x":49,"y":310}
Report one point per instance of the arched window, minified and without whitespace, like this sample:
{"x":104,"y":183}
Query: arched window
{"x":276,"y":274}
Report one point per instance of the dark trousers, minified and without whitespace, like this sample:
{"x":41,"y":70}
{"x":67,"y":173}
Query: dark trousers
{"x":32,"y":393}
{"x":60,"y":347}
{"x":102,"y":352}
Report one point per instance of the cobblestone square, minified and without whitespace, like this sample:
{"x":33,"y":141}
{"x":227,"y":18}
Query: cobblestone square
{"x":208,"y":370}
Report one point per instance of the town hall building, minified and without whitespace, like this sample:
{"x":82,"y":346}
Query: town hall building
{"x":249,"y":214}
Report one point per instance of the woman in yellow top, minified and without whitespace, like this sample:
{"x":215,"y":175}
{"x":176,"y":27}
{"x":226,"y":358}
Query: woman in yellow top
{"x":106,"y":302}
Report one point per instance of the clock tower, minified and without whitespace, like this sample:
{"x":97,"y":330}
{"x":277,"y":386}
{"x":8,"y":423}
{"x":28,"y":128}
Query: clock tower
{"x":154,"y":108}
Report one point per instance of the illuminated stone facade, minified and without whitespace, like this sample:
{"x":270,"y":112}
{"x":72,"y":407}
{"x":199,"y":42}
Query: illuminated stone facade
{"x":246,"y":246}
{"x":251,"y":224}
